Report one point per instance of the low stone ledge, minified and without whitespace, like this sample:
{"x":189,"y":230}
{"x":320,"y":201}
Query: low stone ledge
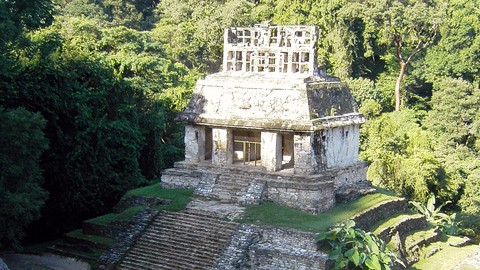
{"x":409,"y":223}
{"x":130,"y":201}
{"x":369,"y":217}
{"x":107,"y":230}
{"x":85,"y":242}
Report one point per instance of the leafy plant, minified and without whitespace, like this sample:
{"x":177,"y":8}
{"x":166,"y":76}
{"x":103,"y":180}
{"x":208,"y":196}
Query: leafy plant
{"x":449,"y":223}
{"x":353,"y":248}
{"x":431,"y":213}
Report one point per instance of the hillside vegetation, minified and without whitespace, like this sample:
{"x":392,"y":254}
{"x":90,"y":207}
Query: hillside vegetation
{"x":89,"y":90}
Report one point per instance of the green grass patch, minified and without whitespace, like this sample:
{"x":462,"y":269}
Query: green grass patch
{"x":420,"y":235}
{"x":89,"y":237}
{"x":156,"y":191}
{"x":390,"y":222}
{"x":179,"y":200}
{"x":125,"y":215}
{"x":281,"y":216}
{"x":179,"y":197}
{"x":447,"y":258}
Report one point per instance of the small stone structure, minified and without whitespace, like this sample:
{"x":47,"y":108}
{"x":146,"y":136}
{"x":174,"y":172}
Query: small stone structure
{"x":272,"y":120}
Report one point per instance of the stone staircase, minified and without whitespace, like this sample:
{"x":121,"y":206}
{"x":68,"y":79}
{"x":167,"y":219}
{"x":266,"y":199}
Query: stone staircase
{"x":240,"y":189}
{"x":180,"y":240}
{"x":230,"y":188}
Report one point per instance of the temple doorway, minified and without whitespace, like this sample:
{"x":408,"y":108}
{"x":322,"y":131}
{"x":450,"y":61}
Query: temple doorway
{"x":246,"y":147}
{"x":287,"y":151}
{"x":208,"y":144}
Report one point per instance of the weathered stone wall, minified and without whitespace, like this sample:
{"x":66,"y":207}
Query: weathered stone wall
{"x":350,"y":175}
{"x":180,"y":178}
{"x":369,"y":217}
{"x":341,"y":145}
{"x":279,"y":248}
{"x":312,"y":198}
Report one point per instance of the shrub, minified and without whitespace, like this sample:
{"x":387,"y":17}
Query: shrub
{"x":353,"y":248}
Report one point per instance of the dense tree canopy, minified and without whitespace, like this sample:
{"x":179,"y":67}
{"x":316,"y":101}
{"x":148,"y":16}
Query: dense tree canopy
{"x":102,"y":80}
{"x":22,"y":141}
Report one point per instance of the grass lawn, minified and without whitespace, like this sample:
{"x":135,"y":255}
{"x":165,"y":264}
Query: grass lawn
{"x":276,"y":215}
{"x":447,"y":258}
{"x":89,"y":237}
{"x":179,"y":199}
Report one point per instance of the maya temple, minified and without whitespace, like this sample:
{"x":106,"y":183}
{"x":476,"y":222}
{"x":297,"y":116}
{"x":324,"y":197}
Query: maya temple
{"x":272,"y":126}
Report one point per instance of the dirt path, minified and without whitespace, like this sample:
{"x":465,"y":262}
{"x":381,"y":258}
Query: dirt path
{"x":16,"y":261}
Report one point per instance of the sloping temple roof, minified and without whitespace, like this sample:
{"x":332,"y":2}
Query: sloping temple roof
{"x":271,"y":81}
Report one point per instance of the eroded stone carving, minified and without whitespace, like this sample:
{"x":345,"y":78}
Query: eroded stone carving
{"x":270,"y":48}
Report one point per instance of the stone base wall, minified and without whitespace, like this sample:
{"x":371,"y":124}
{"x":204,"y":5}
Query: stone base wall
{"x":309,"y":193}
{"x":314,"y":200}
{"x":350,"y":175}
{"x":279,"y":248}
{"x":180,"y":178}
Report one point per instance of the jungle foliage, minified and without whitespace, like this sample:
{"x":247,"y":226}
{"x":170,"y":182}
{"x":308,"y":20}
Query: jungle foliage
{"x":102,"y":81}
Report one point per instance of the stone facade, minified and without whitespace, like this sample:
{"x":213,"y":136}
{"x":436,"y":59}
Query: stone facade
{"x":271,"y":109}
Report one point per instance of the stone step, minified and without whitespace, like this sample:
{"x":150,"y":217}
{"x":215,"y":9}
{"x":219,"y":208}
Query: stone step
{"x":197,"y":216}
{"x":210,"y":237}
{"x":231,"y":188}
{"x":366,"y":219}
{"x":189,"y":223}
{"x":231,"y":184}
{"x":417,"y":240}
{"x":179,"y":242}
{"x":137,"y":264}
{"x":174,"y":254}
{"x":193,"y":218}
{"x":168,"y":257}
{"x":189,"y":229}
{"x":401,"y":224}
{"x":169,"y":260}
{"x":138,"y":261}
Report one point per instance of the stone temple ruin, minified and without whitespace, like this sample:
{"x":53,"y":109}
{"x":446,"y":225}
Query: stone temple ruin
{"x":271,"y":126}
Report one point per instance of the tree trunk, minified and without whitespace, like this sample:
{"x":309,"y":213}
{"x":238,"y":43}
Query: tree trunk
{"x":403,"y":68}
